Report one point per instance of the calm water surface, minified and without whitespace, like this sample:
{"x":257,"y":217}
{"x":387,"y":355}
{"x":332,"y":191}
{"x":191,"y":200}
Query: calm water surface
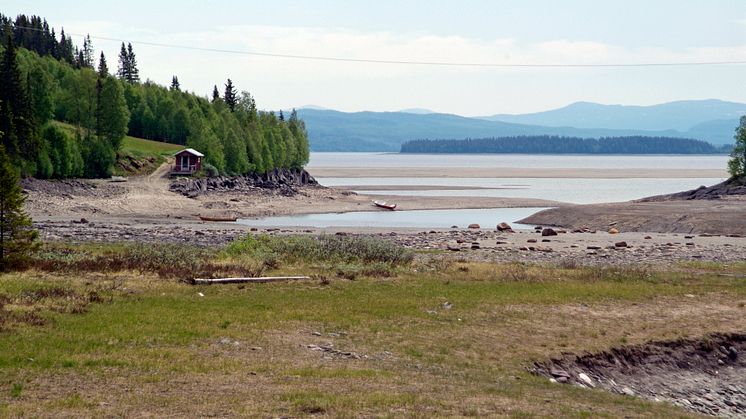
{"x":487,"y":218}
{"x":578,"y":191}
{"x":542,"y":161}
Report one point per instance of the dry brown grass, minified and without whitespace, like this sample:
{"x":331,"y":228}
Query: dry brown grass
{"x":159,"y":349}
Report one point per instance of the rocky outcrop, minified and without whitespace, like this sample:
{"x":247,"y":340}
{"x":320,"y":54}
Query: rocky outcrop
{"x":731,"y":186}
{"x":286,"y":181}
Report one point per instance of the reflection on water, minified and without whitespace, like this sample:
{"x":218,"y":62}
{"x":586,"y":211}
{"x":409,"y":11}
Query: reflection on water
{"x":487,"y":218}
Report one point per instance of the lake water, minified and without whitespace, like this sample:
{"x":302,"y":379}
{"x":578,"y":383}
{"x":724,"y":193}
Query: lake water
{"x":529,"y":161}
{"x":572,"y":190}
{"x":487,"y":218}
{"x":575,"y":191}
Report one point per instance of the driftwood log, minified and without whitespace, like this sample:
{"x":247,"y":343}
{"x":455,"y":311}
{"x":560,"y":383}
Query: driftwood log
{"x":258,"y":280}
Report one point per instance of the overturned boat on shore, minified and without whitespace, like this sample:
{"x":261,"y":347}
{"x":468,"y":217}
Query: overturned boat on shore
{"x":385,"y":205}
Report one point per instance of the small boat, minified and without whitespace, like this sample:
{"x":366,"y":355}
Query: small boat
{"x":218,"y":219}
{"x":385,"y":205}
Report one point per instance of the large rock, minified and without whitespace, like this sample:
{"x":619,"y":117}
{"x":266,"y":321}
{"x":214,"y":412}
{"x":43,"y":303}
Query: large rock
{"x":505,"y":227}
{"x":474,"y":226}
{"x":548,"y":232}
{"x":284,"y":180}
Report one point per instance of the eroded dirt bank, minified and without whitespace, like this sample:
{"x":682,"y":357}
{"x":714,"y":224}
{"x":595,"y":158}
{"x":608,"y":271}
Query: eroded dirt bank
{"x":706,"y":375}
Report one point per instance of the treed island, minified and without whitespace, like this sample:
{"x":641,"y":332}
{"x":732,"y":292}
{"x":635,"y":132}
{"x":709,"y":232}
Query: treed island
{"x":65,"y":111}
{"x":551,"y":144}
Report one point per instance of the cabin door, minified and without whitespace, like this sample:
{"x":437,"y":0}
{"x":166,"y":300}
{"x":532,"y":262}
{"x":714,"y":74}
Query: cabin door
{"x":184,"y":163}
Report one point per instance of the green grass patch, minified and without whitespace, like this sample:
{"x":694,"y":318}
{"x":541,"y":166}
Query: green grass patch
{"x":141,"y":147}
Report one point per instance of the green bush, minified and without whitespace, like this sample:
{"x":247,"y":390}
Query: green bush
{"x":210,"y":170}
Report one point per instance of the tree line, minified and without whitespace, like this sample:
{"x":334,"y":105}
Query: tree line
{"x":547,"y":144}
{"x":47,"y":78}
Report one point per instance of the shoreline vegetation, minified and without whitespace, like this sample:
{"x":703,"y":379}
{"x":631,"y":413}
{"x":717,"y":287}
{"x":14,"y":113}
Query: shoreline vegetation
{"x":63,"y":116}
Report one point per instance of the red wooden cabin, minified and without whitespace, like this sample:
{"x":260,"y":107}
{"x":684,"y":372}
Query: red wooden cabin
{"x":188,"y":162}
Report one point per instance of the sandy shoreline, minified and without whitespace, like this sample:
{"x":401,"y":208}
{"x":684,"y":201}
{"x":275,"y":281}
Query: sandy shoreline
{"x":143,"y":209}
{"x":509,"y":172}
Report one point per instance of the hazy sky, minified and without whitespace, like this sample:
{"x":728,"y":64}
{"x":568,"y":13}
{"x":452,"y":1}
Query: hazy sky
{"x":540,"y":32}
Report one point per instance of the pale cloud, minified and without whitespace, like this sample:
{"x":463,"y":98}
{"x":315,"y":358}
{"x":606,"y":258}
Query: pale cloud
{"x":280,"y":82}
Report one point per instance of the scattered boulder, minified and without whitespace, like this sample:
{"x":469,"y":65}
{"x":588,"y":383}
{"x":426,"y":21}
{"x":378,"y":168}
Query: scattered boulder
{"x":613,"y":231}
{"x":548,"y":232}
{"x":620,"y":244}
{"x":505,"y":227}
{"x":474,"y":226}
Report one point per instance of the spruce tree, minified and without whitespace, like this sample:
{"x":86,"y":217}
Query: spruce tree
{"x":17,"y":238}
{"x":123,"y":72}
{"x":134,"y":73}
{"x":88,"y":60}
{"x":215,"y":93}
{"x":230,"y":95}
{"x":12,"y":98}
{"x":175,"y":84}
{"x":103,"y":69}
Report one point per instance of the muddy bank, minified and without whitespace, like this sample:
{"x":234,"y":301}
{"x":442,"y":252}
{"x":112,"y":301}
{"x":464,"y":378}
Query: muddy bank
{"x":717,"y":209}
{"x":706,"y":375}
{"x":726,"y":216}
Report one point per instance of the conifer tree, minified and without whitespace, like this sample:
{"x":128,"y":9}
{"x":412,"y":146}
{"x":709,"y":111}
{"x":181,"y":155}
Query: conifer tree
{"x":123,"y":72}
{"x":79,"y":58}
{"x":17,"y":238}
{"x":12,"y":98}
{"x":134,"y":73}
{"x":230,"y":95}
{"x":65,"y":48}
{"x":215,"y":93}
{"x":53,"y":46}
{"x":88,"y":60}
{"x":175,"y":84}
{"x":103,"y":69}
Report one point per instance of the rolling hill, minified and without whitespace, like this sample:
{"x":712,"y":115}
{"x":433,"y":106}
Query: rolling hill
{"x":680,"y":115}
{"x":331,"y":130}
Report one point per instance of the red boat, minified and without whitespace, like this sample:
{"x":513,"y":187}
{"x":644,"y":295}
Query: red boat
{"x":385,"y":205}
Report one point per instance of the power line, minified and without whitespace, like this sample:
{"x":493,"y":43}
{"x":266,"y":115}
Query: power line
{"x":407,"y":62}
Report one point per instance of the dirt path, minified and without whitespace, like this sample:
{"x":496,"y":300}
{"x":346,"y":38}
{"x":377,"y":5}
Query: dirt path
{"x":149,"y":195}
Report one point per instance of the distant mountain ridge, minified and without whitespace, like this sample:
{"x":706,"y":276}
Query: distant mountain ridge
{"x":679,"y":115}
{"x":713,"y":121}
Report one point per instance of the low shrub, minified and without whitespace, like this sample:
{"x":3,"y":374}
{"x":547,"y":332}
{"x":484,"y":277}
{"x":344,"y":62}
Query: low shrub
{"x":335,"y":249}
{"x":166,"y":260}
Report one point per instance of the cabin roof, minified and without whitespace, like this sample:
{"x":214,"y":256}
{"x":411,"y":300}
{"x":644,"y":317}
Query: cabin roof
{"x":191,"y":151}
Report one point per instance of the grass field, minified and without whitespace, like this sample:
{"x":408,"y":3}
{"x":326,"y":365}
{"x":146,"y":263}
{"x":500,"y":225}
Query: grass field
{"x":142,"y":147}
{"x":137,"y":156}
{"x":420,"y":339}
